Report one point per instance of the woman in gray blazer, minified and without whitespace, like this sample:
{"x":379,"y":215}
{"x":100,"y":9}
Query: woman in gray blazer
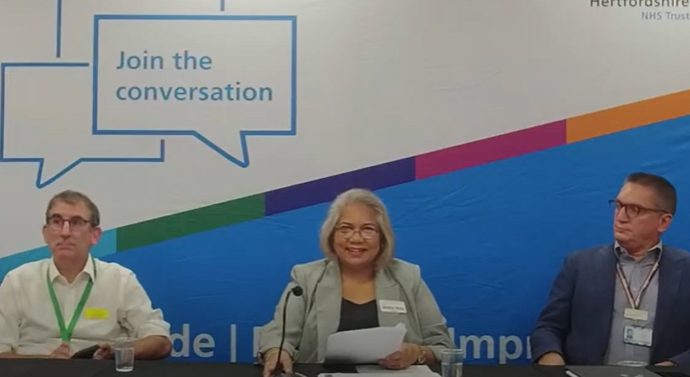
{"x":358,"y":285}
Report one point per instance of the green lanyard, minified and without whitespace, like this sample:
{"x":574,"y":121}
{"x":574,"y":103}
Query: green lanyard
{"x":66,"y":333}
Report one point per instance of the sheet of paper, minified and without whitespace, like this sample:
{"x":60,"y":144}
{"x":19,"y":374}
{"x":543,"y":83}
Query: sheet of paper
{"x":366,"y":346}
{"x":375,"y":371}
{"x":414,"y":370}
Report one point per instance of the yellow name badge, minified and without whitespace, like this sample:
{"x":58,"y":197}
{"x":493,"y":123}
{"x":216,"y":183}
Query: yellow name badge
{"x":95,"y":313}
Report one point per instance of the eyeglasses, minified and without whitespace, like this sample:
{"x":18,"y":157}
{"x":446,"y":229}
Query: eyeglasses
{"x":632,"y":210}
{"x":367,"y":232}
{"x":55,"y":223}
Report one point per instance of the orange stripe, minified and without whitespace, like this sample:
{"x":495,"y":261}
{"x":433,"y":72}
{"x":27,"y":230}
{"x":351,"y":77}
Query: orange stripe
{"x":628,"y":116}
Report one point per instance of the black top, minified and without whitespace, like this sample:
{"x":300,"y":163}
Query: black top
{"x":358,"y":316}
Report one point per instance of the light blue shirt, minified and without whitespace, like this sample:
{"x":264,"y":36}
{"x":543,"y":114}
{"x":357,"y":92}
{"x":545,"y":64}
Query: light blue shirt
{"x":635,"y":272}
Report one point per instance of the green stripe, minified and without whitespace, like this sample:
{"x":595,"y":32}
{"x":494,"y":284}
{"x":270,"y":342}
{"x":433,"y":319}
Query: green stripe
{"x":190,"y":222}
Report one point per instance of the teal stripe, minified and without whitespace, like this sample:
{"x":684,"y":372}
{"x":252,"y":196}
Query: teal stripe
{"x":104,"y":247}
{"x":107,"y":245}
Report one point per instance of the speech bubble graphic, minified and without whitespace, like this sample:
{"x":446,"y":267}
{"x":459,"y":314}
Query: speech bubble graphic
{"x":58,"y":25}
{"x":55,"y":129}
{"x":58,"y":29}
{"x":219,"y":79}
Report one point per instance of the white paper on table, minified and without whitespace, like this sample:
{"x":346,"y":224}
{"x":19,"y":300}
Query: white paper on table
{"x":375,"y":371}
{"x":366,"y":346}
{"x":412,"y":370}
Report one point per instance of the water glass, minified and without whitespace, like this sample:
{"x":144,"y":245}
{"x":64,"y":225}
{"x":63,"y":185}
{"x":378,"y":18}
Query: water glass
{"x":451,"y":362}
{"x":124,"y":354}
{"x":632,"y":368}
{"x":632,"y":363}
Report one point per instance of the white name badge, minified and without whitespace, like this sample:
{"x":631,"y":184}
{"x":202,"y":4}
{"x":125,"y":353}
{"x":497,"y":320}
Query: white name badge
{"x":636,"y":314}
{"x":639,"y":336}
{"x":392,"y":306}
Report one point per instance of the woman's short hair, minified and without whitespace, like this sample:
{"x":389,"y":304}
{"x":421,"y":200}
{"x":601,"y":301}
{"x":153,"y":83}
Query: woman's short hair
{"x":368,"y":198}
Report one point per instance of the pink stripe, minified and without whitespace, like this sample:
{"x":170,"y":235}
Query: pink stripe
{"x":492,"y":149}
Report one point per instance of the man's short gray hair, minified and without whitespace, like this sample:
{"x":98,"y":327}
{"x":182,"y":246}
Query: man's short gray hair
{"x":368,"y":198}
{"x":73,"y":198}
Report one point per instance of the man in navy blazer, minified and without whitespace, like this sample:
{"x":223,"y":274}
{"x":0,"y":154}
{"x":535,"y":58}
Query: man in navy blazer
{"x":628,"y":301}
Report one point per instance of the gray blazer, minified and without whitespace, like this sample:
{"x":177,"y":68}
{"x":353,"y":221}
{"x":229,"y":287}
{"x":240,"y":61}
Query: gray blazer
{"x":315,"y":315}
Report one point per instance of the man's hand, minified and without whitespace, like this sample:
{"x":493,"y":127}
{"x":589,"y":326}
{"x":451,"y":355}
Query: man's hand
{"x":62,"y":352}
{"x":551,"y":359}
{"x":105,"y":351}
{"x":403,"y":358}
{"x":666,"y":364}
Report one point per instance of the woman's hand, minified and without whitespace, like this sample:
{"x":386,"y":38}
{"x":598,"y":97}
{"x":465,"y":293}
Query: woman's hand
{"x":271,"y":359}
{"x":403,"y":358}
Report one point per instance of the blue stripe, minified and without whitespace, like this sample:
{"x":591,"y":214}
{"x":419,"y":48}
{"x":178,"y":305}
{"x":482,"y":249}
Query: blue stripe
{"x":106,"y":246}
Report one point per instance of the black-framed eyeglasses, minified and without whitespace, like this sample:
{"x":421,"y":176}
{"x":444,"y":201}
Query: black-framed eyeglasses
{"x":366,"y":232}
{"x":76,"y":223}
{"x":632,"y":210}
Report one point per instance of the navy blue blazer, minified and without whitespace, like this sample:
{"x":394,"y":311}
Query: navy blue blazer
{"x":576,"y":321}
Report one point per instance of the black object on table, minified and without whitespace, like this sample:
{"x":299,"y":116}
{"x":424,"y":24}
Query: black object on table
{"x":551,"y":371}
{"x":86,"y":353}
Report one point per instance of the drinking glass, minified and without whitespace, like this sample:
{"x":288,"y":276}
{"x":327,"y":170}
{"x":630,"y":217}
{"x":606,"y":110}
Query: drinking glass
{"x":451,"y":362}
{"x":124,"y":354}
{"x":632,"y":363}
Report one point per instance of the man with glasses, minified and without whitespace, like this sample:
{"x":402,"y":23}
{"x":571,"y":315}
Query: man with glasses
{"x":624,"y":302}
{"x":55,"y":307}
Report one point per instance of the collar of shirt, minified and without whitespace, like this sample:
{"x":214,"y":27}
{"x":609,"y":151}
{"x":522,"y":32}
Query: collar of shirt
{"x":653,"y":251}
{"x":53,"y":272}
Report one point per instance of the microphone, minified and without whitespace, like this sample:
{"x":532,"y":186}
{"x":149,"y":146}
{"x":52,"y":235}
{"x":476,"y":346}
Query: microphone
{"x":279,"y":370}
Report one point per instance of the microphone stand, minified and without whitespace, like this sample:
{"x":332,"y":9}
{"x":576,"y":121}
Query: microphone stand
{"x":279,"y":369}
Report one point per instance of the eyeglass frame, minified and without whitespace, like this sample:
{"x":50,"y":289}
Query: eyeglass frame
{"x":56,"y":227}
{"x":638,"y":210}
{"x":352,"y":230}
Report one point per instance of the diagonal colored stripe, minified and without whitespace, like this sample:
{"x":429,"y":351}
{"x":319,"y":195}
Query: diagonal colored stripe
{"x":104,"y":247}
{"x":489,"y":150}
{"x":326,"y":189}
{"x":190,"y":222}
{"x":629,"y":116}
{"x":406,"y":170}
